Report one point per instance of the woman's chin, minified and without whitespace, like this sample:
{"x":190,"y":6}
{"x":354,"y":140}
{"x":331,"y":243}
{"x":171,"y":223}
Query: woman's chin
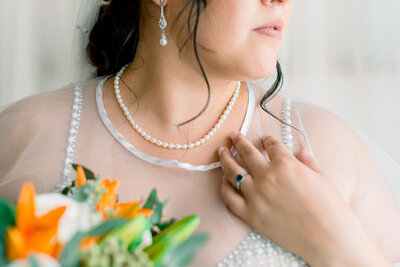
{"x":262,"y":72}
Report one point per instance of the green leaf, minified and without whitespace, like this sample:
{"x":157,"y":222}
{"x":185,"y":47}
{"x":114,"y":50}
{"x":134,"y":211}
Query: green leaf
{"x":151,"y":200}
{"x":89,"y":174}
{"x":33,"y":262}
{"x":7,"y":218}
{"x":106,"y":227}
{"x":81,"y":194}
{"x":156,"y":217}
{"x":70,"y":255}
{"x":165,"y":202}
{"x":131,"y":232}
{"x":7,"y":212}
{"x":185,"y":252}
{"x":66,"y":190}
{"x":171,"y":237}
{"x":163,"y":225}
{"x":3,"y":259}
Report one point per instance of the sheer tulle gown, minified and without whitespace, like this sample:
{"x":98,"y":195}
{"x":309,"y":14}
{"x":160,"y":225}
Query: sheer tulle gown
{"x":41,"y":135}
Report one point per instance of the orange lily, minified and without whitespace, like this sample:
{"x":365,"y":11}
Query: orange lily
{"x":131,"y":210}
{"x":32,"y":233}
{"x":81,"y":180}
{"x":109,"y":202}
{"x":109,"y":198}
{"x":88,"y":242}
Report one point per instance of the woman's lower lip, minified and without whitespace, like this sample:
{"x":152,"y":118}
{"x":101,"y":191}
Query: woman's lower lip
{"x":274,"y":34}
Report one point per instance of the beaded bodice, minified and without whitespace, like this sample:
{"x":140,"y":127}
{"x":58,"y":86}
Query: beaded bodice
{"x":255,"y":249}
{"x":73,"y":134}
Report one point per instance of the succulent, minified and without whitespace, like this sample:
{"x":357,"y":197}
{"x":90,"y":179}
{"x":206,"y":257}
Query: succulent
{"x":113,"y":252}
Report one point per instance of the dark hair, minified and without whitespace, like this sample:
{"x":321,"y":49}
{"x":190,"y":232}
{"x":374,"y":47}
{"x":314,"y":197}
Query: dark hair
{"x":114,"y":38}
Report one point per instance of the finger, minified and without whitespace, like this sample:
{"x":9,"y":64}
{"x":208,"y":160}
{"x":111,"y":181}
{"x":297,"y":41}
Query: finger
{"x":231,"y":169}
{"x":254,"y":160}
{"x":232,"y":199}
{"x":275,"y":148}
{"x":307,"y":158}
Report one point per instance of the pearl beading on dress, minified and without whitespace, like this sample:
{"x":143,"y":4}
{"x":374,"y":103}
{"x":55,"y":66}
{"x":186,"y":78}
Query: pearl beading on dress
{"x":256,"y":249}
{"x":286,"y":129}
{"x":72,"y":138}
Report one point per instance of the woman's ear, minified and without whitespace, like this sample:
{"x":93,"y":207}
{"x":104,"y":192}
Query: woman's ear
{"x":158,"y":2}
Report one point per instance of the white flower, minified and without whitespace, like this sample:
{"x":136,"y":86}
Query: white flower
{"x":43,"y":260}
{"x":77,"y":217}
{"x":147,"y":239}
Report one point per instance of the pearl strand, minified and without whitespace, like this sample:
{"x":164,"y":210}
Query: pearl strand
{"x":163,"y":144}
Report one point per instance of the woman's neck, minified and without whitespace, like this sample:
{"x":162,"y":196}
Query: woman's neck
{"x":171,"y":95}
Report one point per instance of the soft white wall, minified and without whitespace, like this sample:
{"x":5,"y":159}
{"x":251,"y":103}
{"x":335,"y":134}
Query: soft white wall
{"x":343,"y":55}
{"x":34,"y":47}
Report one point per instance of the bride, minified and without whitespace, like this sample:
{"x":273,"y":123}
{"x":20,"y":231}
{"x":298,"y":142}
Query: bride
{"x":276,"y":181}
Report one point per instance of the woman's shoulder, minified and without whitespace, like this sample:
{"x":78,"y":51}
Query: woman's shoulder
{"x":46,"y":108}
{"x":31,"y":115}
{"x":302,"y":111}
{"x":33,"y":138}
{"x":338,"y":145}
{"x":50,"y":103}
{"x":321,"y":122}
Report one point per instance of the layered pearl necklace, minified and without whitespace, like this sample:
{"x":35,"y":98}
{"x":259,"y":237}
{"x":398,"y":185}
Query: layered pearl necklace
{"x":160,"y":143}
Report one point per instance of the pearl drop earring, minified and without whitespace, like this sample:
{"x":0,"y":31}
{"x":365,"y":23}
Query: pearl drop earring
{"x":163,"y":24}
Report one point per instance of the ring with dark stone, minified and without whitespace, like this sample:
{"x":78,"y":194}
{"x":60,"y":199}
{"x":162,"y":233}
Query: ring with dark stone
{"x":239,"y":179}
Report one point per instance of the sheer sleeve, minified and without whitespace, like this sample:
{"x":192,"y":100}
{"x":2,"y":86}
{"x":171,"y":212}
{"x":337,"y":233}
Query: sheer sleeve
{"x":368,"y":178}
{"x":33,"y":135}
{"x":376,"y":196}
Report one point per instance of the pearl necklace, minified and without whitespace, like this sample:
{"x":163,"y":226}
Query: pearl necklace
{"x":166,"y":144}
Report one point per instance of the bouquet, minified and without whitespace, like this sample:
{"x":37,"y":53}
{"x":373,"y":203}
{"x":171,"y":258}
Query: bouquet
{"x":84,"y":225}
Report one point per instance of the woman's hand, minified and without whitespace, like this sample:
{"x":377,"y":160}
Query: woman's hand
{"x":291,"y":201}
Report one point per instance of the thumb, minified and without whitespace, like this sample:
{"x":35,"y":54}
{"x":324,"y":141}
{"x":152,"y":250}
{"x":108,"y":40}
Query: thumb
{"x":305,"y":156}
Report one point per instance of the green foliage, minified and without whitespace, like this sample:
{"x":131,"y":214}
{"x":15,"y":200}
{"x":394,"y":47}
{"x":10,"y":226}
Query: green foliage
{"x":70,"y":255}
{"x":89,"y":174}
{"x":68,"y":189}
{"x":165,"y":224}
{"x":172,"y":236}
{"x":89,"y":193}
{"x":131,"y":232}
{"x":32,"y":262}
{"x":71,"y":189}
{"x":184,"y":253}
{"x":7,"y":212}
{"x":7,"y":219}
{"x":114,"y":252}
{"x":153,"y":203}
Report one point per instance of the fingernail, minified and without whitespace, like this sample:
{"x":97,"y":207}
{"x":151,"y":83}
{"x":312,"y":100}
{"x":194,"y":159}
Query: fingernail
{"x":220,"y":150}
{"x":234,"y":135}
